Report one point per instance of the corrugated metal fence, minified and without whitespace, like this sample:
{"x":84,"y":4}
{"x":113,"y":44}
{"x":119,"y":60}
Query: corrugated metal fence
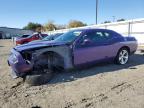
{"x":127,"y":28}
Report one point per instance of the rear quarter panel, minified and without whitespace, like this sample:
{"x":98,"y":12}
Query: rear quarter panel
{"x":132,"y":43}
{"x":129,"y":42}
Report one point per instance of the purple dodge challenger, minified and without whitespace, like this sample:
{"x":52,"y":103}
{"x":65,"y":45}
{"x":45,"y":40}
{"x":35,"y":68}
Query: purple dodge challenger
{"x":35,"y":61}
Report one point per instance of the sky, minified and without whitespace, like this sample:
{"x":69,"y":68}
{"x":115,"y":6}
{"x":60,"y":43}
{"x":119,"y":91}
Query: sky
{"x":17,"y":13}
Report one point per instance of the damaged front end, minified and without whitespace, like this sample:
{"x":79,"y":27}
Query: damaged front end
{"x":23,"y":63}
{"x":40,"y":58}
{"x":20,"y":63}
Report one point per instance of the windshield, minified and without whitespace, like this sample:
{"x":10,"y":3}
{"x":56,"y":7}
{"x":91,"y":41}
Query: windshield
{"x":68,"y":37}
{"x":52,"y":37}
{"x":48,"y":38}
{"x":25,"y":36}
{"x":29,"y":36}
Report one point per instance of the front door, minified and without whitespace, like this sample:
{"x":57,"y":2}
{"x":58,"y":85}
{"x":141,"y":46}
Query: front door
{"x":94,"y":46}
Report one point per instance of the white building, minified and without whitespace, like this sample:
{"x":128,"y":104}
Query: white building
{"x":6,"y":32}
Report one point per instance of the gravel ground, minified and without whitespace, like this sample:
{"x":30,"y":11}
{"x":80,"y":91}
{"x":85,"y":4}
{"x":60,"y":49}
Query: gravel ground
{"x":103,"y":86}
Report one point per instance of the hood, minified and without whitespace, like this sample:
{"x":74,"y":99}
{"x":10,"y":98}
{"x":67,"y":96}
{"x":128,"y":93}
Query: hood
{"x":40,"y":44}
{"x":35,"y":41}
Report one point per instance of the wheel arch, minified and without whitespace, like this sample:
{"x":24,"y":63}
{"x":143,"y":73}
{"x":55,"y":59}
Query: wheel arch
{"x":55,"y":56}
{"x":126,"y":47}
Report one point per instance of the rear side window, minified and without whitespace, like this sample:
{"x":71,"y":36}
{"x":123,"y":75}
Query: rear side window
{"x":107,"y":34}
{"x":98,"y":36}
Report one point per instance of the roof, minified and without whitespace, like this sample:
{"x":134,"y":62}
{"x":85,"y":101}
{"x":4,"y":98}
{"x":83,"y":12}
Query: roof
{"x":89,"y":29}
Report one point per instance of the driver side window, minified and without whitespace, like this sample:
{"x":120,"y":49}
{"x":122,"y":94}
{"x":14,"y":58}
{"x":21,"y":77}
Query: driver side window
{"x":97,"y":36}
{"x":94,"y":37}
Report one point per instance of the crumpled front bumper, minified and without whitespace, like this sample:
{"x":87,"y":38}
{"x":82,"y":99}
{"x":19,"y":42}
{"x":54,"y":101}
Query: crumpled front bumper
{"x":18,"y":65}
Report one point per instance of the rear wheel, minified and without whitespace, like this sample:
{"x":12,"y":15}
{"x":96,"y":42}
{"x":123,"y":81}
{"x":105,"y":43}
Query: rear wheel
{"x":122,"y":56}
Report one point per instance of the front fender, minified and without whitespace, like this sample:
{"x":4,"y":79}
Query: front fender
{"x":63,"y":51}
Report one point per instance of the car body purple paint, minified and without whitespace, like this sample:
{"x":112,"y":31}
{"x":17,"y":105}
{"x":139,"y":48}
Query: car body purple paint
{"x":76,"y":48}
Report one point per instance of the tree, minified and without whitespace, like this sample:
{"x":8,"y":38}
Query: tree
{"x":39,"y":29}
{"x":107,"y":22}
{"x":75,"y":23}
{"x":120,"y":20}
{"x":59,"y":27}
{"x":50,"y":26}
{"x":32,"y":26}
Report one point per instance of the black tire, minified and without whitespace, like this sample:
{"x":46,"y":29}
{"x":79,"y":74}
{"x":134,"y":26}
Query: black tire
{"x":40,"y":78}
{"x":125,"y":57}
{"x":36,"y":80}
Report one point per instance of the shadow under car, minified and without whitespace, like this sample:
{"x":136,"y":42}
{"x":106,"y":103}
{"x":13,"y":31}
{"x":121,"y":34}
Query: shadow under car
{"x":62,"y":77}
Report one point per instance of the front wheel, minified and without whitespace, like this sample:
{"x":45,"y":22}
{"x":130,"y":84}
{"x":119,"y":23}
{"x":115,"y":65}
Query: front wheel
{"x":36,"y":80}
{"x":42,"y":75}
{"x":122,"y":56}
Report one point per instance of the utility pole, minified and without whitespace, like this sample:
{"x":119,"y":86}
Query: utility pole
{"x":96,"y":11}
